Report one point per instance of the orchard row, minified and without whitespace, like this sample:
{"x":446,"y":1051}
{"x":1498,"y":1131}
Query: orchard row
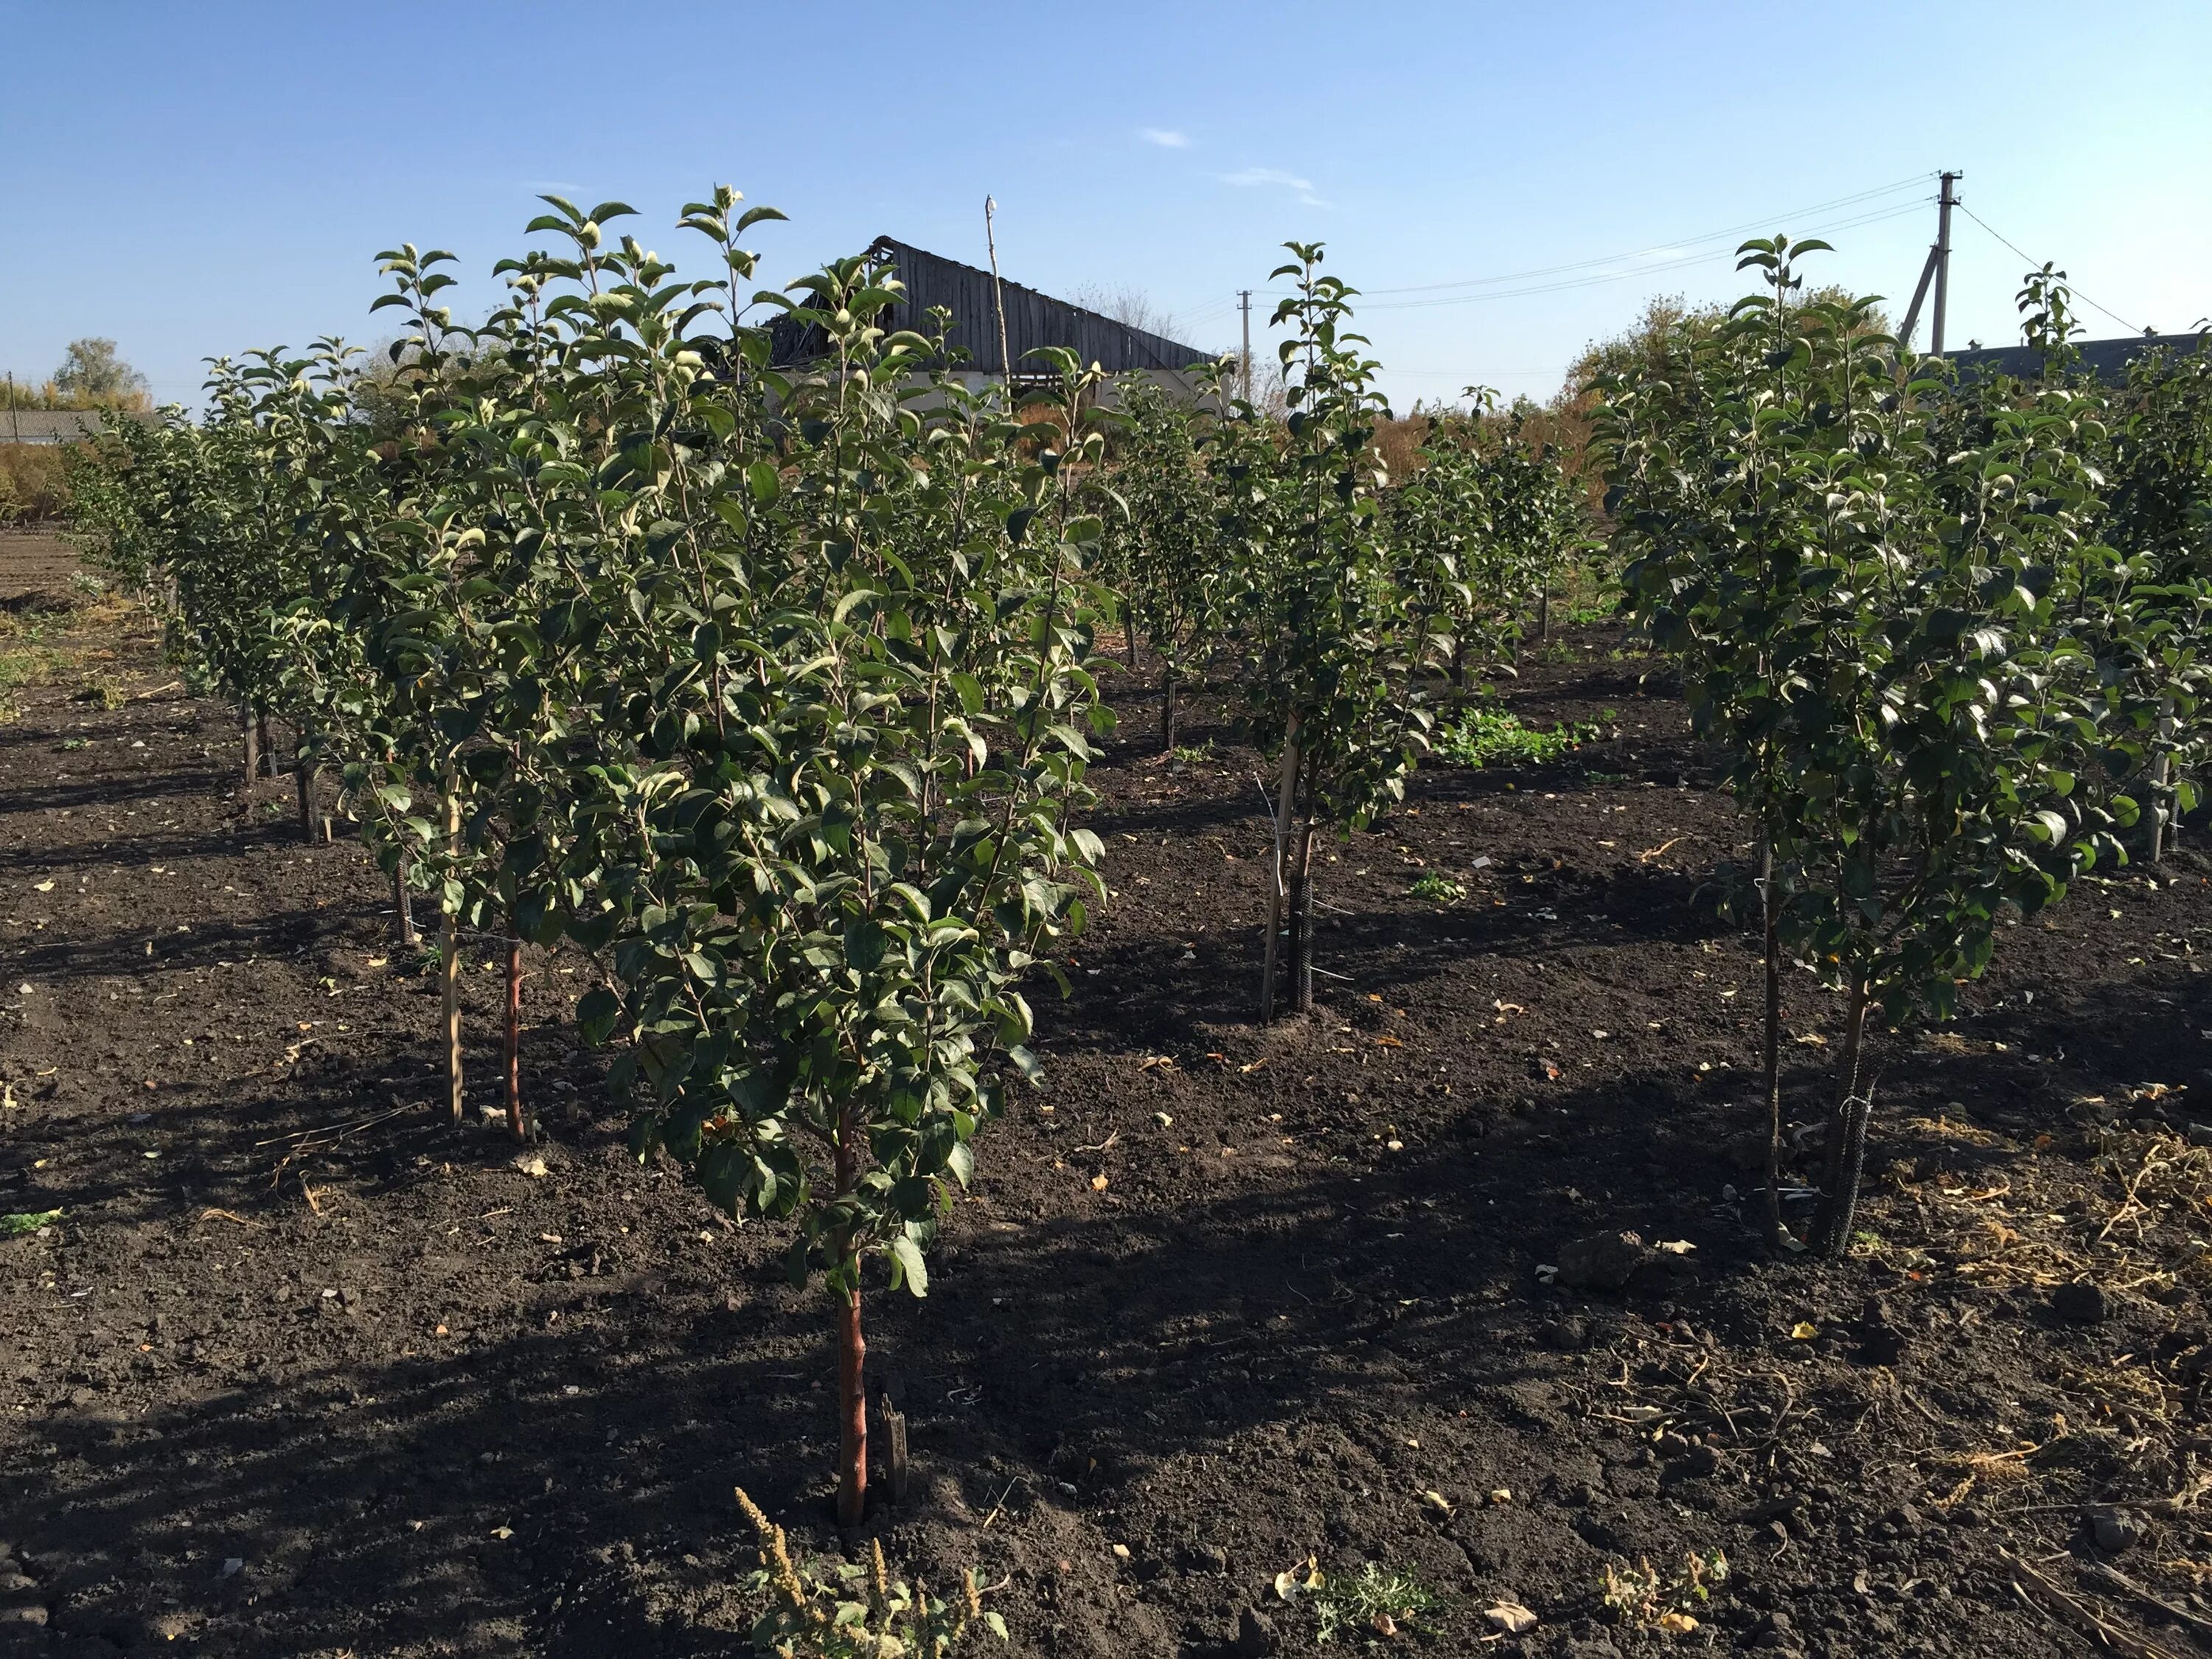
{"x":774,"y":686}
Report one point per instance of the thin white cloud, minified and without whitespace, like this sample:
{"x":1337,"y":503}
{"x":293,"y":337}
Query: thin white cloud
{"x":1165,"y":137}
{"x":1251,"y":177}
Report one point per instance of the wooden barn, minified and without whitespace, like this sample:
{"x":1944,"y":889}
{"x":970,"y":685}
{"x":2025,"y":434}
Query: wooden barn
{"x":1033,"y":319}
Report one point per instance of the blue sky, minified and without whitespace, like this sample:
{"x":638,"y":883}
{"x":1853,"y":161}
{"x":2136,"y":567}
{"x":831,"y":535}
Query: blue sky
{"x":208,"y":178}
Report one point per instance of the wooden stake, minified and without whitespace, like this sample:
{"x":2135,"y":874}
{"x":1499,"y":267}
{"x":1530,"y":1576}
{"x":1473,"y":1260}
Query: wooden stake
{"x":894,"y":1422}
{"x":247,"y":733}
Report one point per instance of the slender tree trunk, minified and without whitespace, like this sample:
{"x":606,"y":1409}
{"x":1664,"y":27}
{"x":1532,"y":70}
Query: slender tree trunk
{"x":852,"y":1359}
{"x":1285,"y":784}
{"x":246,"y":735}
{"x":1544,"y":614}
{"x":1167,"y":707}
{"x":1302,"y":925}
{"x":1847,"y":1133}
{"x":268,"y":749}
{"x":515,"y":1121}
{"x":2162,"y":772}
{"x":1770,"y":1049}
{"x":403,"y":904}
{"x":449,"y":966}
{"x":852,"y":1413}
{"x":303,"y":775}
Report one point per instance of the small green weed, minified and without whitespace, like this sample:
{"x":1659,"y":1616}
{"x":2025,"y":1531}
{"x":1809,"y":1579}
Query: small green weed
{"x":1437,"y":887}
{"x":105,"y":689}
{"x":864,"y":1614}
{"x":1488,"y":736}
{"x":1640,"y":1595}
{"x":1192,"y":754}
{"x":27,"y":1221}
{"x":1374,"y":1601}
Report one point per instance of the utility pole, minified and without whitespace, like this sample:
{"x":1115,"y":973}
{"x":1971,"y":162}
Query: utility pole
{"x":1244,"y":300}
{"x":1945,"y":201}
{"x":15,"y":422}
{"x":998,"y":296}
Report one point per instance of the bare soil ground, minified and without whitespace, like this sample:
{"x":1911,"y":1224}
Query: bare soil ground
{"x":306,"y":1368}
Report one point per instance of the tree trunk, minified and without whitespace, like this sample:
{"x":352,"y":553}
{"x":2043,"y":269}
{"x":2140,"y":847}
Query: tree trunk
{"x":1302,"y":925}
{"x":1847,"y":1133}
{"x":852,"y":1413}
{"x":1167,"y":707}
{"x":1285,"y":786}
{"x":1544,"y":615}
{"x":449,"y":966}
{"x":403,"y":905}
{"x":268,"y":749}
{"x":1771,"y":1046}
{"x":303,"y":775}
{"x":246,"y":735}
{"x":515,"y":1121}
{"x":2162,"y":772}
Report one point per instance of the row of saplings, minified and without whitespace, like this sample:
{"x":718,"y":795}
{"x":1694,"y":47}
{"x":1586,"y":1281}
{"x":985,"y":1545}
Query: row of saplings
{"x":774,"y":685}
{"x":1950,"y":637}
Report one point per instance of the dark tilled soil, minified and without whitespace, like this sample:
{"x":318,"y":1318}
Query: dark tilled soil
{"x":306,"y":1368}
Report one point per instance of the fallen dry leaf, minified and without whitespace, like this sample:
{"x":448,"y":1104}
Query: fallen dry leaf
{"x":1511,"y":1618}
{"x":1804,"y":1331}
{"x":1098,"y":1183}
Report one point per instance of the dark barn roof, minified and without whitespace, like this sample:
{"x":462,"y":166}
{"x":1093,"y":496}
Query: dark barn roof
{"x":2108,"y":360}
{"x":1033,"y":319}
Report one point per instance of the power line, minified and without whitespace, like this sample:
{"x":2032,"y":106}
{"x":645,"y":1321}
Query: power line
{"x":1673,"y":245}
{"x":1853,"y":224}
{"x":1887,"y":211}
{"x":2033,"y":260}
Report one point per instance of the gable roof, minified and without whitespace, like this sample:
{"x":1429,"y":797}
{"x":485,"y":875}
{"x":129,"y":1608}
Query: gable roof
{"x":2108,"y":360}
{"x":53,"y":426}
{"x":1033,"y":319}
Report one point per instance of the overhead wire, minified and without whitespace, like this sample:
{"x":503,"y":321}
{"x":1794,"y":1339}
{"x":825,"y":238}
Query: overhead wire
{"x":2033,"y":260}
{"x":1569,"y":270}
{"x":1705,"y":258}
{"x":1673,"y":245}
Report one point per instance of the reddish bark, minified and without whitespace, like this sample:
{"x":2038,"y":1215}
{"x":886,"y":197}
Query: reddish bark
{"x":515,"y":1121}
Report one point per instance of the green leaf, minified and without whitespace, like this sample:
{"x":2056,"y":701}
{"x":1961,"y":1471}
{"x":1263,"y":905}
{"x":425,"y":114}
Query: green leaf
{"x":596,"y":1011}
{"x":907,"y":1266}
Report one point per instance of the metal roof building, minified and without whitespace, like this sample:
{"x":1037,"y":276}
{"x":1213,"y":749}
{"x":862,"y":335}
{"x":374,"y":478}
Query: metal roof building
{"x":51,"y":426}
{"x":1033,"y":319}
{"x":2108,"y":360}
